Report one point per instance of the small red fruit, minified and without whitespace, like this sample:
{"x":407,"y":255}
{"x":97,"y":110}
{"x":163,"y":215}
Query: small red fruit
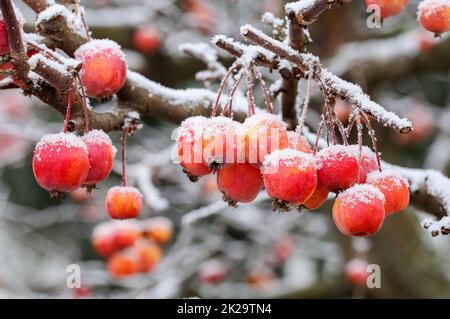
{"x":388,"y":8}
{"x":104,"y":68}
{"x":146,"y":39}
{"x":260,"y":278}
{"x":123,"y":263}
{"x":262,"y":134}
{"x":123,"y":202}
{"x":149,"y":254}
{"x":356,"y":271}
{"x":103,"y":239}
{"x":395,"y":190}
{"x":289,"y":176}
{"x":126,"y":233}
{"x":101,"y":156}
{"x":368,"y":162}
{"x":203,"y":15}
{"x":219,"y":142}
{"x":239,"y":183}
{"x":190,"y":147}
{"x":359,"y":211}
{"x":318,"y":198}
{"x":60,"y":162}
{"x":158,"y":229}
{"x":337,"y":167}
{"x":212,"y":272}
{"x":298,"y":142}
{"x":434,"y":15}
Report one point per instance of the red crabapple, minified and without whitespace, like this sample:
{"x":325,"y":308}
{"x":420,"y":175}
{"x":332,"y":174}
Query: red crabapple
{"x":126,"y":233}
{"x":190,"y":147}
{"x":388,"y":8}
{"x":101,"y":156}
{"x":289,"y":176}
{"x":337,"y":167}
{"x":158,"y":229}
{"x":434,"y":15}
{"x":394,"y":187}
{"x":60,"y":162}
{"x":318,"y":198}
{"x":123,"y":202}
{"x":239,"y":182}
{"x":204,"y":17}
{"x":260,"y":278}
{"x":149,"y":254}
{"x":103,"y":239}
{"x":298,"y":142}
{"x":219,"y":142}
{"x":356,"y":271}
{"x":104,"y":68}
{"x":262,"y":134}
{"x":123,"y":263}
{"x":368,"y":162}
{"x":359,"y":210}
{"x":212,"y":272}
{"x":146,"y":39}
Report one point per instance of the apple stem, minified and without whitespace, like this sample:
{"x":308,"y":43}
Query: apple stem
{"x":124,"y":159}
{"x":85,"y":108}
{"x":69,"y":106}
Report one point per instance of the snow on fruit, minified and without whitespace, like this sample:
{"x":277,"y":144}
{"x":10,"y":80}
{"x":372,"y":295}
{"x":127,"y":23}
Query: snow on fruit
{"x":60,"y":162}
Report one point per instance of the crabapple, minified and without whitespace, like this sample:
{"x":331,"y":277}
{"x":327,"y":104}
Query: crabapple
{"x":123,"y":263}
{"x":123,"y":202}
{"x":212,"y":272}
{"x":337,"y":167}
{"x":204,"y":17}
{"x":297,"y":142}
{"x":126,"y":233}
{"x":239,"y":182}
{"x":388,"y":8}
{"x":356,"y":271}
{"x":394,"y":187}
{"x":262,"y":134}
{"x":318,"y":198}
{"x":190,"y":147}
{"x":104,"y":68}
{"x":101,"y":156}
{"x":158,"y":229}
{"x":289,"y":176}
{"x":219,"y":142}
{"x":368,"y":162}
{"x":359,"y":210}
{"x":103,"y":239}
{"x":434,"y":15}
{"x":60,"y":162}
{"x":146,"y":39}
{"x":149,"y":255}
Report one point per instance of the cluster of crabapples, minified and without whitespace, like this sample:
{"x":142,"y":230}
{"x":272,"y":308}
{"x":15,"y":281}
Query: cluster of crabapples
{"x":433,"y":15}
{"x":262,"y":153}
{"x":64,"y":162}
{"x":132,"y":246}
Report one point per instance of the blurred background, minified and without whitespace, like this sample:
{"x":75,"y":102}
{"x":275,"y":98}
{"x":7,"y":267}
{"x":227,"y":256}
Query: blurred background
{"x":216,"y":251}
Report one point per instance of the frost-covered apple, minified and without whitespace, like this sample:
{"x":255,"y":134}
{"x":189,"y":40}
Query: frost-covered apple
{"x":434,"y":15}
{"x":60,"y":162}
{"x":101,"y":156}
{"x":289,"y":176}
{"x":359,"y":211}
{"x":123,"y":202}
{"x":239,"y":182}
{"x":104,"y":69}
